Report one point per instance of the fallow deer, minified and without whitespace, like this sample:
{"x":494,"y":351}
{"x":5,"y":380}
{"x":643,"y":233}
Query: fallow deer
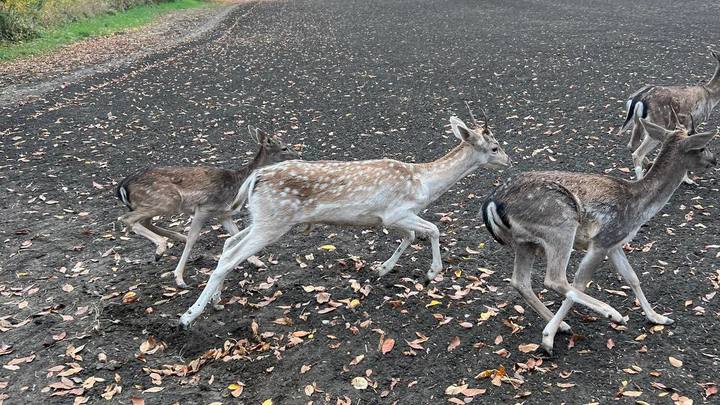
{"x":550,"y":213}
{"x":383,"y":192}
{"x":654,"y":103}
{"x":202,"y":192}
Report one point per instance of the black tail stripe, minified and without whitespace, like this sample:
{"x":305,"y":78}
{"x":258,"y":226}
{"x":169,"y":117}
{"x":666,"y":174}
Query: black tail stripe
{"x":486,"y":220}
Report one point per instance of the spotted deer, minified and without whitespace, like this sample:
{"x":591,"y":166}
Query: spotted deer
{"x":202,"y":192}
{"x":382,"y":192}
{"x":654,"y":103}
{"x":550,"y":213}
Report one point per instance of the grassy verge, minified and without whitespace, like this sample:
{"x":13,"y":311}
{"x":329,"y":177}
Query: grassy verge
{"x":92,"y":27}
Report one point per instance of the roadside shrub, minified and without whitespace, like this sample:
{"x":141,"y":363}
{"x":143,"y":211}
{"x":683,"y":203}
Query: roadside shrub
{"x":16,"y":27}
{"x":25,"y":19}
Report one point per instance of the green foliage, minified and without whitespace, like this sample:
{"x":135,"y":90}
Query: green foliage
{"x":25,"y":19}
{"x":36,"y":40}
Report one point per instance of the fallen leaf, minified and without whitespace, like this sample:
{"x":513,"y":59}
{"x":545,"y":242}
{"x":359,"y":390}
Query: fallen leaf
{"x":454,"y":343}
{"x":360,"y":383}
{"x":527,"y":348}
{"x":675,"y":362}
{"x":388,"y":345}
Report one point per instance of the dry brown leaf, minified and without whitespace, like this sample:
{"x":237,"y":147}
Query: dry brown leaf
{"x":675,"y":362}
{"x":527,"y":348}
{"x":454,"y":343}
{"x":388,"y":345}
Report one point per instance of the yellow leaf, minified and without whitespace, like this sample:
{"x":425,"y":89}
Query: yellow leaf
{"x":360,"y":383}
{"x":486,"y":315}
{"x":433,"y":303}
{"x":267,"y":402}
{"x":233,"y":387}
{"x":458,"y":273}
{"x":354,"y":303}
{"x":328,"y":248}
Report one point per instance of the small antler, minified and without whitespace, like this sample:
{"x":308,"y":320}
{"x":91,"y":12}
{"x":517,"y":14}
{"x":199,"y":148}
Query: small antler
{"x":675,"y":116}
{"x":485,"y":118}
{"x":472,"y":117}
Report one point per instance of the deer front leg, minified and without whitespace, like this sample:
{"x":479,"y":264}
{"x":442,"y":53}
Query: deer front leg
{"x":583,"y":275}
{"x":558,"y":257}
{"x":620,"y":261}
{"x":407,"y":239}
{"x":416,"y":224}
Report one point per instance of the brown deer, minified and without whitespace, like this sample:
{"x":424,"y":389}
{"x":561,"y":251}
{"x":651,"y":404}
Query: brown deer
{"x":363,"y":193}
{"x":202,"y":192}
{"x":550,"y":213}
{"x":654,"y":103}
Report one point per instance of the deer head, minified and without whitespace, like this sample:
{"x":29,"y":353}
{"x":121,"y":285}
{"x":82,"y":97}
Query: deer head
{"x":689,"y":149}
{"x":487,"y":149}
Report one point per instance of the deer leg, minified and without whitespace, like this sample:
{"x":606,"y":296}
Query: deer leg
{"x":195,"y":228}
{"x":635,"y":136}
{"x":556,"y":279}
{"x":648,"y":145}
{"x":416,"y":224}
{"x":521,"y":280}
{"x":230,"y":226}
{"x":164,"y":232}
{"x":134,"y":221}
{"x":256,"y":238}
{"x":408,"y":238}
{"x":620,"y":261}
{"x":589,"y":263}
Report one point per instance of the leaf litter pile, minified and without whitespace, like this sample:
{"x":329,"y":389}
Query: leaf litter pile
{"x":87,"y":316}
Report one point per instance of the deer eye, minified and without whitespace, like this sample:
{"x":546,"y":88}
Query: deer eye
{"x":494,"y":149}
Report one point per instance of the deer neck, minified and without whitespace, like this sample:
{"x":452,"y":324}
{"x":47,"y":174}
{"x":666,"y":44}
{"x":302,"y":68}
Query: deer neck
{"x":258,"y":161}
{"x":659,"y":184}
{"x":439,"y":175}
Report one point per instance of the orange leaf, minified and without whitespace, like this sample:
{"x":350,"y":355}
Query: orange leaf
{"x":388,"y":345}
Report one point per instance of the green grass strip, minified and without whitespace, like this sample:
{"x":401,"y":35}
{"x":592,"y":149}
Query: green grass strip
{"x":93,"y":27}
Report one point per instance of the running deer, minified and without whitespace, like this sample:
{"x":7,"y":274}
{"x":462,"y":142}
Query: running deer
{"x":550,"y":213}
{"x":202,"y":192}
{"x":382,"y":192}
{"x":654,"y":104}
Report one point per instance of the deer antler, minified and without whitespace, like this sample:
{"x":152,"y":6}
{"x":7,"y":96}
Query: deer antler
{"x":485,"y":118}
{"x":472,"y":117}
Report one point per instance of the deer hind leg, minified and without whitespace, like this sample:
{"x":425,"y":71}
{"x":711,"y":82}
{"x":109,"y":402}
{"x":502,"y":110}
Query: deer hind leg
{"x":198,"y":221}
{"x":584,"y":274}
{"x":648,"y":145}
{"x":257,"y":237}
{"x":521,"y":281}
{"x":164,"y":232}
{"x":635,"y":137}
{"x":407,"y":239}
{"x":134,"y":221}
{"x":620,"y":261}
{"x":558,"y":257}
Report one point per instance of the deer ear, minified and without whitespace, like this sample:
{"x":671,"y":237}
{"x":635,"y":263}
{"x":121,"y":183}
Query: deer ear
{"x":696,"y":142}
{"x":461,"y":131}
{"x":264,"y":138}
{"x":655,"y":131}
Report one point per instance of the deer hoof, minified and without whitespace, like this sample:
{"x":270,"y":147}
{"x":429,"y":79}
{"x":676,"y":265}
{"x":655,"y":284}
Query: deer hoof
{"x":547,"y":346}
{"x":565,"y":328}
{"x":181,"y":284}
